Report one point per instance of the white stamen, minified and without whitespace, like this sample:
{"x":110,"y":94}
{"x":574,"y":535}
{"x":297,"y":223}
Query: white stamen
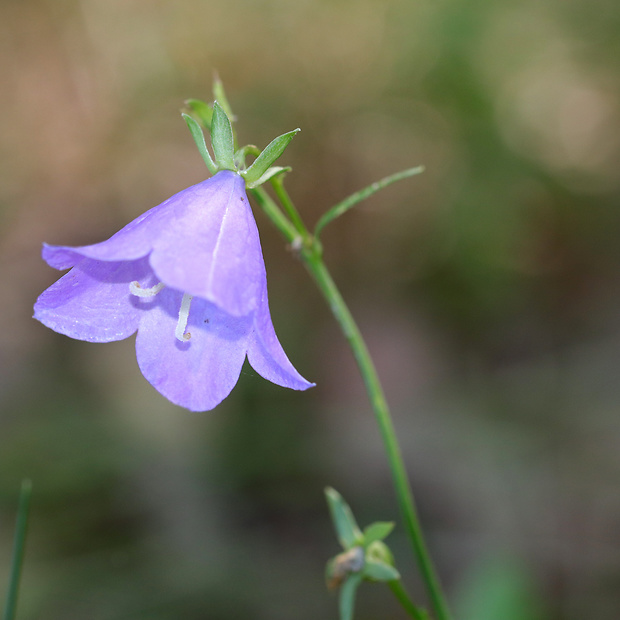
{"x":136,"y":289}
{"x":179,"y":332}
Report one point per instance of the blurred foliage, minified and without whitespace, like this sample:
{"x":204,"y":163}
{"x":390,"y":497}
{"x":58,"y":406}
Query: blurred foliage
{"x":487,"y":287}
{"x":499,"y":589}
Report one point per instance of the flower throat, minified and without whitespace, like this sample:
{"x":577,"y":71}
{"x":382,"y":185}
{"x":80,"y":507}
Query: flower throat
{"x":179,"y":332}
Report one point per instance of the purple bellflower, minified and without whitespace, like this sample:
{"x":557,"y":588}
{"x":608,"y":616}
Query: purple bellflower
{"x":189,"y":277}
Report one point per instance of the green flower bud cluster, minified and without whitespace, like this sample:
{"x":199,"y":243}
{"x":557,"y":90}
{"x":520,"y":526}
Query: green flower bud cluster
{"x":365,"y":555}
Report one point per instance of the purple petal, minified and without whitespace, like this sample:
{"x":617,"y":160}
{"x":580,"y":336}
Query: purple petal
{"x":137,"y":238}
{"x":211,"y":248}
{"x":266,"y":355}
{"x":130,"y":243}
{"x":200,"y":373}
{"x":92,"y":302}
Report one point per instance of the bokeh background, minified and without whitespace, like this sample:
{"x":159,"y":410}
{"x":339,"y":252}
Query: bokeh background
{"x":488,"y":289}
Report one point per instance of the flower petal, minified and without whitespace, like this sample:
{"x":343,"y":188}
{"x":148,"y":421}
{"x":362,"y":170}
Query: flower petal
{"x":203,"y":241}
{"x":266,"y":355}
{"x":211,"y":248}
{"x":137,"y":238}
{"x":92,"y":302}
{"x":200,"y":373}
{"x":130,"y":243}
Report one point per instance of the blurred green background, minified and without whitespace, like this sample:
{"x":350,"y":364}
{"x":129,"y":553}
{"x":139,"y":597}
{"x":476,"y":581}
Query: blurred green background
{"x":488,"y":289}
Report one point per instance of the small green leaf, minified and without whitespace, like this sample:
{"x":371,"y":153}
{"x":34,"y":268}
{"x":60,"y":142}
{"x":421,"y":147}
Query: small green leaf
{"x":202,"y":111}
{"x":349,"y":202}
{"x":379,"y":571}
{"x":347,"y":530}
{"x":269,"y":174}
{"x":222,"y":139}
{"x":347,"y":596}
{"x":269,"y":155}
{"x":377,"y":531}
{"x":199,"y":139}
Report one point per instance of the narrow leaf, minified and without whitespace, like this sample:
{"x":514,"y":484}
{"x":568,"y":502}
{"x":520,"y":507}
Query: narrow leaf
{"x":347,"y":530}
{"x":342,"y":207}
{"x":380,"y":571}
{"x":377,"y":531}
{"x":269,"y":155}
{"x":347,"y":596}
{"x":199,"y":139}
{"x":269,"y":174}
{"x":222,"y":139}
{"x":18,"y":550}
{"x":202,"y":111}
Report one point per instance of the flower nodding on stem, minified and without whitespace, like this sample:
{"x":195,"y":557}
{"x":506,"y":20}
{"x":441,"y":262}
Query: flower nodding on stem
{"x":122,"y":292}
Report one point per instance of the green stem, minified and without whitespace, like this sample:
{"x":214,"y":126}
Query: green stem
{"x":278,"y":186}
{"x":275,"y":214}
{"x":18,"y":550}
{"x":407,"y":604}
{"x":340,"y":310}
{"x":310,"y":251}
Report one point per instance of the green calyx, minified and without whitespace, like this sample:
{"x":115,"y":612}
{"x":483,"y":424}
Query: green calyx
{"x":216,"y":119}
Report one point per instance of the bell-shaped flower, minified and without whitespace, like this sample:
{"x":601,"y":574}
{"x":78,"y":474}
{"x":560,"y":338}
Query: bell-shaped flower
{"x":189,"y":277}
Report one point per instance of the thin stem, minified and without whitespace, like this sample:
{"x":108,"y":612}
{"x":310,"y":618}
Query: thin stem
{"x":406,"y":603}
{"x":278,"y":185}
{"x":375,"y":391}
{"x":310,"y":251}
{"x":18,"y":550}
{"x":275,"y":214}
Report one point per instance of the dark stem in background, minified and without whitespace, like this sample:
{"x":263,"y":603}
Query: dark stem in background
{"x":18,"y":550}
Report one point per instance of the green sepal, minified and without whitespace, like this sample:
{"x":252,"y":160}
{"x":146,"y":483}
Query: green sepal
{"x":199,"y":139}
{"x":243,"y":152}
{"x":377,"y":531}
{"x":347,"y":596}
{"x":379,"y":571}
{"x":222,"y":139}
{"x":347,"y":530}
{"x":269,"y":174}
{"x":269,"y":155}
{"x":379,"y":551}
{"x":202,"y":111}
